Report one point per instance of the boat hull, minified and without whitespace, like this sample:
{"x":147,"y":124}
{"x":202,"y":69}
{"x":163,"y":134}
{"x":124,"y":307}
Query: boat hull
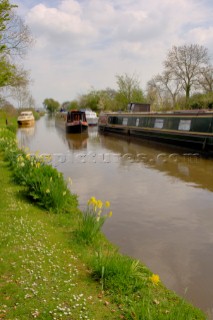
{"x":26,"y":123}
{"x":92,"y":122}
{"x":78,"y":128}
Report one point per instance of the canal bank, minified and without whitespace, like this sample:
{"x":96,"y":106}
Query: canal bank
{"x":35,"y":239}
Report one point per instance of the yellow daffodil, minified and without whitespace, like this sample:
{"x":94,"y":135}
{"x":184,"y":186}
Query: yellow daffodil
{"x":92,"y":201}
{"x":99,"y":204}
{"x":110,"y":214}
{"x":155,"y":279}
{"x":107,"y":204}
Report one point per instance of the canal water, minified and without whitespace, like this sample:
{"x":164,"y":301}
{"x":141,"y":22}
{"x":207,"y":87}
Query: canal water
{"x":161,"y":198}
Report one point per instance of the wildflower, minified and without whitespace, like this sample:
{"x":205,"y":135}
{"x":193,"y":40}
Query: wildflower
{"x":107,"y":204}
{"x":38,"y":164}
{"x":22,"y":164}
{"x":110,"y":214}
{"x":92,"y":201}
{"x":155,"y":279}
{"x":64,"y":193}
{"x":48,"y":191}
{"x":99,"y":204}
{"x":28,"y":156}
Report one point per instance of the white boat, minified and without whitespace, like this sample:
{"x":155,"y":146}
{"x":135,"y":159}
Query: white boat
{"x":91,"y":117}
{"x":26,"y":118}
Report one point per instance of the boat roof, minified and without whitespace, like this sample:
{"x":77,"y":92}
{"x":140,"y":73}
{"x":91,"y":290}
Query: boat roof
{"x":26,"y":112}
{"x":176,"y":112}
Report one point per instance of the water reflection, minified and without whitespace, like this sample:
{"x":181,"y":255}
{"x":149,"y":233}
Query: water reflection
{"x":188,"y":167}
{"x":25,"y":135}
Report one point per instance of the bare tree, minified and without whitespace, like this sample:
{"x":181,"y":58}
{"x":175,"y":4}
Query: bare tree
{"x":205,"y":80}
{"x":22,"y":95}
{"x":16,"y":37}
{"x":184,"y":64}
{"x":167,"y":87}
{"x":154,"y":94}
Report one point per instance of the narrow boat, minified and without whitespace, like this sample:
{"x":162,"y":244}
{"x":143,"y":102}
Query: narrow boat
{"x":91,"y":117}
{"x":192,"y":129}
{"x":26,"y":118}
{"x":72,"y":121}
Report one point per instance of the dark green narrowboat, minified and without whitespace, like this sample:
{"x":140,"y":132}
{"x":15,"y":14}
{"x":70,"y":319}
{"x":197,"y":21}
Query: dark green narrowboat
{"x":191,"y":128}
{"x":73,"y":121}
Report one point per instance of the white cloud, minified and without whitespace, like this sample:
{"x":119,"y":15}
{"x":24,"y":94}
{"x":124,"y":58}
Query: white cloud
{"x":80,"y":44}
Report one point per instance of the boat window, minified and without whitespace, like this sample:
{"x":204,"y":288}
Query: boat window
{"x":184,"y":125}
{"x":158,"y":123}
{"x":125,"y":120}
{"x":137,"y":122}
{"x":113,"y":120}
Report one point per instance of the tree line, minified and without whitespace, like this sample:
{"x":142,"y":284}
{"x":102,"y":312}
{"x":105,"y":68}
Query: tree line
{"x":185,"y":83}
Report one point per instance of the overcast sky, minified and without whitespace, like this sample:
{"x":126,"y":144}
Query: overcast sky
{"x":83,"y":44}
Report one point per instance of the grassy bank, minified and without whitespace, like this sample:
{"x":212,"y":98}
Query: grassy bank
{"x":55,"y":262}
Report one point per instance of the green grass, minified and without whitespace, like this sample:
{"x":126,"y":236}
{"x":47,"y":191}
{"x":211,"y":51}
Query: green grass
{"x":41,"y":276}
{"x":48,"y":272}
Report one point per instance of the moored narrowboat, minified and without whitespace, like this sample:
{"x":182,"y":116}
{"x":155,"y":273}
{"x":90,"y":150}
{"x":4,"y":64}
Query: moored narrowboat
{"x":190,"y":128}
{"x":26,"y":119}
{"x":72,"y":121}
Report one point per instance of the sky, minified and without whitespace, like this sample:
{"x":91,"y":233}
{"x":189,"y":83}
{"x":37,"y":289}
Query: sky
{"x":81,"y":45}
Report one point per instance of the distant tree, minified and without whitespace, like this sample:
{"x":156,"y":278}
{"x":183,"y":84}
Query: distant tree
{"x":65,"y":105}
{"x":128,"y":90}
{"x":107,"y":99}
{"x":168,"y":89}
{"x":89,"y":100}
{"x":51,"y":105}
{"x":22,"y":95}
{"x":74,"y":105}
{"x":184,"y":63}
{"x":154,"y":94}
{"x":205,"y":79}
